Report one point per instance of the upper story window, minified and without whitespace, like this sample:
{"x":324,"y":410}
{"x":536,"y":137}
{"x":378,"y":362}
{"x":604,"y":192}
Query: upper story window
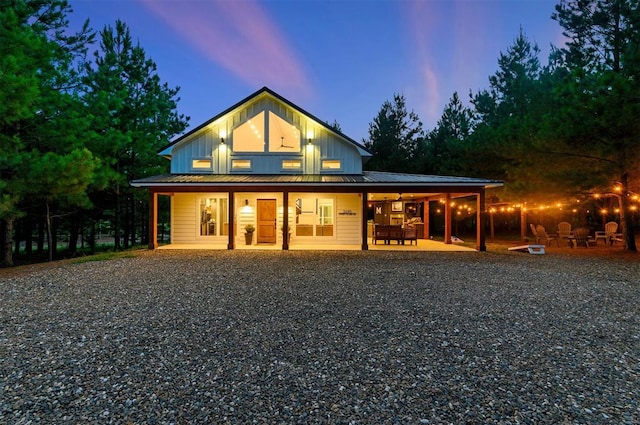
{"x":291,"y":164}
{"x":331,"y":164}
{"x":201,"y":164}
{"x":241,"y":164}
{"x":283,"y":137}
{"x":252,"y":135}
{"x":249,"y":137}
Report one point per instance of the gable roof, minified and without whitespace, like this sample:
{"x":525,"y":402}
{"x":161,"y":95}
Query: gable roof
{"x":265,"y":90}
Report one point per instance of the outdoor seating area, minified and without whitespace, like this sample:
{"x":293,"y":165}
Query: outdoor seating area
{"x":579,"y":237}
{"x":392,"y":232}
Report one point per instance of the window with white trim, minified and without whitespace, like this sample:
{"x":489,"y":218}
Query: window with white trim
{"x":291,"y":164}
{"x":201,"y":164}
{"x":241,"y":164}
{"x":331,"y":164}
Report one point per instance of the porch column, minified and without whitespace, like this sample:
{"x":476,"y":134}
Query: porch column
{"x":523,"y":222}
{"x":285,"y":220}
{"x":365,"y":229}
{"x":447,"y":219}
{"x":480,"y":217}
{"x":425,"y":220}
{"x":232,"y":221}
{"x":153,"y":219}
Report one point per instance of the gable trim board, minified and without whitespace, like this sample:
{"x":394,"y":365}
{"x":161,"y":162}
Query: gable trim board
{"x":211,"y":200}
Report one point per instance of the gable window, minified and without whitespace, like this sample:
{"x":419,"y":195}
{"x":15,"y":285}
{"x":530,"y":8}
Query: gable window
{"x":291,"y":164}
{"x":249,"y":137}
{"x":283,"y":136}
{"x":241,"y":164}
{"x":201,"y":164}
{"x":331,"y":164}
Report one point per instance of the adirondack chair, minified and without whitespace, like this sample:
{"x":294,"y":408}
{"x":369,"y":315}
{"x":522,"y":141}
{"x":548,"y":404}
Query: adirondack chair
{"x":609,"y":234}
{"x":535,"y":233}
{"x":564,"y":230}
{"x":543,"y":236}
{"x":583,"y":238}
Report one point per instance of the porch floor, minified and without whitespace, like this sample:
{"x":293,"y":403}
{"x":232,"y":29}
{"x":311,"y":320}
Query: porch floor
{"x":422,"y":245}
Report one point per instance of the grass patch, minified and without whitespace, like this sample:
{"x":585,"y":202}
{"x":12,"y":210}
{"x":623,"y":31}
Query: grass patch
{"x":105,"y":256}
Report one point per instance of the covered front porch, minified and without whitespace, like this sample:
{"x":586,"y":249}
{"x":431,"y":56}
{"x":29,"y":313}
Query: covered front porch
{"x":317,"y":212}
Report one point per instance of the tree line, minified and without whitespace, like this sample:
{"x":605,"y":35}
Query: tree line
{"x":566,"y":128}
{"x":75,"y":128}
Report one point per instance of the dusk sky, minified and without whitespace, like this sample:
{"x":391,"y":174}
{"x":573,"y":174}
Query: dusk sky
{"x":339,"y":60}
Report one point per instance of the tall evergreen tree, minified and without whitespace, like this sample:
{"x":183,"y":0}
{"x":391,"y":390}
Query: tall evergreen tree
{"x":40,"y":116}
{"x":134,"y":115}
{"x":506,"y":117}
{"x":445,"y":145}
{"x":597,"y":122}
{"x":394,"y":136}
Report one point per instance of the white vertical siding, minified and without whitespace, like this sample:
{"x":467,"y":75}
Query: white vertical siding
{"x":205,"y":145}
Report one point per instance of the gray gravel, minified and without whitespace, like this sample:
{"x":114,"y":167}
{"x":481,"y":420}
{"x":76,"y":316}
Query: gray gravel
{"x":310,"y":337}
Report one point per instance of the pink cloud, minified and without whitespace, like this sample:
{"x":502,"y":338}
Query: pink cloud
{"x":422,"y":18}
{"x":239,"y":36}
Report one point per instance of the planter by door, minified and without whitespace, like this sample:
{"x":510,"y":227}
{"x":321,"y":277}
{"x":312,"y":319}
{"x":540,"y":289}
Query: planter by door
{"x":248,"y":238}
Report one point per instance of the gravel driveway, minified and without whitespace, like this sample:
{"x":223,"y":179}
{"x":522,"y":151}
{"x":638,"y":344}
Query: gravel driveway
{"x":322,"y":337}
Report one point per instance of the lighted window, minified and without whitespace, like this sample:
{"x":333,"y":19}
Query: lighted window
{"x":330,"y":164}
{"x":291,"y":164}
{"x":283,"y":136}
{"x":238,"y":164}
{"x":249,"y":137}
{"x":201,"y":164}
{"x":214,"y":216}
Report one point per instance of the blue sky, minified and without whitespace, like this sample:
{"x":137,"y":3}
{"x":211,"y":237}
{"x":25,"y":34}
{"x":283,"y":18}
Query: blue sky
{"x":339,"y":60}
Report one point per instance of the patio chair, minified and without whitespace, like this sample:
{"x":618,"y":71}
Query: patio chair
{"x":535,"y":233}
{"x":543,"y":236}
{"x":609,"y":234}
{"x":564,"y":230}
{"x":582,"y":237}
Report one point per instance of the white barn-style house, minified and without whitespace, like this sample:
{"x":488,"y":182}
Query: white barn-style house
{"x":267,"y":163}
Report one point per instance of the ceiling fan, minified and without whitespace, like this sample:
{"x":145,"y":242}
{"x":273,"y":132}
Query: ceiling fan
{"x":282,"y":145}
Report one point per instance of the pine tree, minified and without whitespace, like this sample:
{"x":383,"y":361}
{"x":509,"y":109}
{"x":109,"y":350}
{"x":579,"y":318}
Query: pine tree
{"x":394,"y":137}
{"x":41,"y":117}
{"x":599,"y":98}
{"x":134,"y":114}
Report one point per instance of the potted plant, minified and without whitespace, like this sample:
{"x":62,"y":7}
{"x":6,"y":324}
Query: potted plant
{"x":248,"y":236}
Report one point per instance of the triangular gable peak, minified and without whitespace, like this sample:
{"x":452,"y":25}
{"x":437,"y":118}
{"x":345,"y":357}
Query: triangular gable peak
{"x":265,"y":134}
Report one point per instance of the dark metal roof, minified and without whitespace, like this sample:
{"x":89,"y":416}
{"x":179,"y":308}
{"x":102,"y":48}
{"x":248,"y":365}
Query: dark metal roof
{"x":368,"y":178}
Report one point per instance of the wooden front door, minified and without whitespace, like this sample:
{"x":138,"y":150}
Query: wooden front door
{"x":267,"y":221}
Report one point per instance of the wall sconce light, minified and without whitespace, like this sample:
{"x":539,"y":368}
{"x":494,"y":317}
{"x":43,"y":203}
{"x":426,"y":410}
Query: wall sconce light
{"x":246,"y":202}
{"x":222,"y":140}
{"x":308,"y":141}
{"x":222,"y":133}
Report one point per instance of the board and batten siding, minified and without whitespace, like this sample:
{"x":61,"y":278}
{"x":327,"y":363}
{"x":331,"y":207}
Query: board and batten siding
{"x":205,"y":144}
